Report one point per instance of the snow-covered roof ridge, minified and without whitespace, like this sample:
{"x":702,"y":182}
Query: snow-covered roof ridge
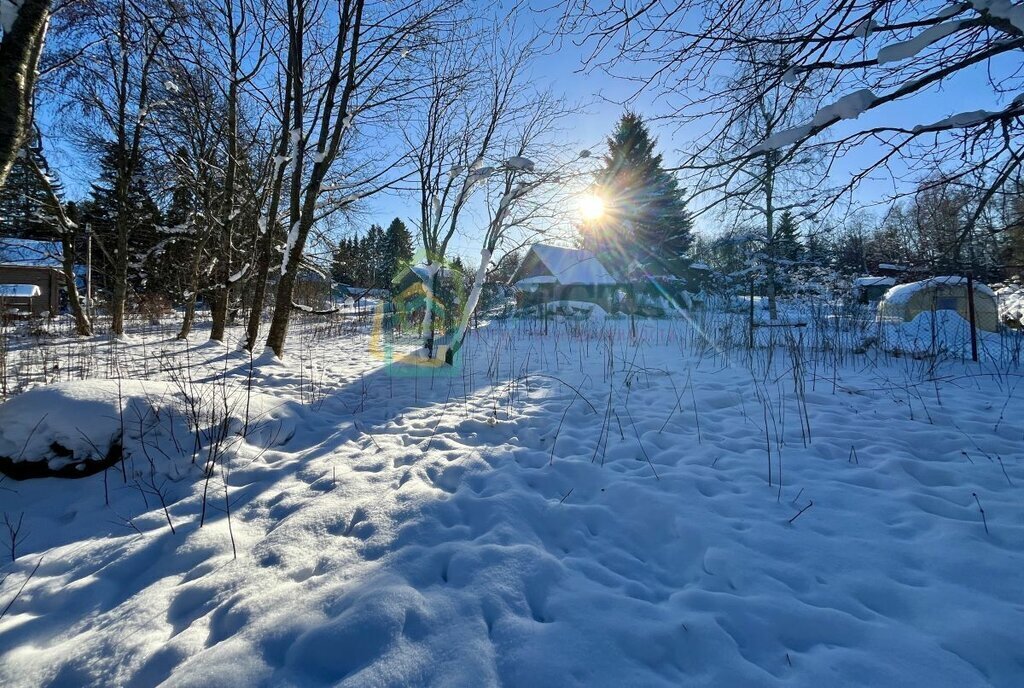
{"x":872,"y":281}
{"x":30,"y":253}
{"x":902,"y":293}
{"x":573,"y":265}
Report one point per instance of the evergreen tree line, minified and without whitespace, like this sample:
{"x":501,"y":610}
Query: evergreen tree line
{"x":373,"y":260}
{"x":923,"y":234}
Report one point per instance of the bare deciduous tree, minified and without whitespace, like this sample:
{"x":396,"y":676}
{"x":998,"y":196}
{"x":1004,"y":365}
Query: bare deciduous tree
{"x":114,"y":85}
{"x":364,"y":76}
{"x":863,"y":56}
{"x":479,"y":96}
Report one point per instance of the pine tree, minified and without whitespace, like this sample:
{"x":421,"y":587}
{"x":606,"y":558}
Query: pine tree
{"x":373,"y":251}
{"x":343,"y":267}
{"x":787,"y":238}
{"x":1012,"y":253}
{"x":397,"y":248}
{"x":645,"y":220}
{"x":173,"y":248}
{"x":23,"y":204}
{"x":143,"y":217}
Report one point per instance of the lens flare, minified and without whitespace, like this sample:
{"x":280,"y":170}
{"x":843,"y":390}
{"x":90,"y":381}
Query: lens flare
{"x":591,"y":208}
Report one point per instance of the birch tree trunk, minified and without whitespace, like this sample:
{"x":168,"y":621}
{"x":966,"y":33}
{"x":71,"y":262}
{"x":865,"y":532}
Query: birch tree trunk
{"x":83,"y":327}
{"x":19,"y":59}
{"x":470,"y":307}
{"x":772,"y":243}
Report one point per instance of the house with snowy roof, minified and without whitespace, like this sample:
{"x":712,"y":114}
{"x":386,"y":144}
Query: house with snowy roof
{"x":555,"y":273}
{"x":871,"y":289}
{"x":31,"y":278}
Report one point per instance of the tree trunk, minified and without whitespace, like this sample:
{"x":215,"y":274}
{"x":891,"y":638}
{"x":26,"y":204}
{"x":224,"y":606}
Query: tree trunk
{"x":470,"y":307}
{"x":83,"y":328}
{"x":265,"y":246}
{"x":265,"y":249}
{"x":189,"y":317}
{"x":19,"y":58}
{"x":283,"y":303}
{"x":772,"y":240}
{"x":258,"y":290}
{"x":427,"y":324}
{"x":222,"y":300}
{"x":219,"y":312}
{"x":118,"y":295}
{"x":190,"y":304}
{"x":119,"y":291}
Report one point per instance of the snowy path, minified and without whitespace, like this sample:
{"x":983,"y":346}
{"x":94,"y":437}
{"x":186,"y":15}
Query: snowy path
{"x":418,"y":531}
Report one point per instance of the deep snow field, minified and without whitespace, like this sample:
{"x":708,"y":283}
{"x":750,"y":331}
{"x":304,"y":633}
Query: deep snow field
{"x":571,"y":506}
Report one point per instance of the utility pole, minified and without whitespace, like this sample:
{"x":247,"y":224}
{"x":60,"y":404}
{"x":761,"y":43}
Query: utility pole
{"x":971,"y":315}
{"x":88,"y":269}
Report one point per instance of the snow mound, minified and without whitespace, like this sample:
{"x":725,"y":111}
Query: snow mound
{"x":77,"y":428}
{"x":72,"y":421}
{"x":1011,"y":303}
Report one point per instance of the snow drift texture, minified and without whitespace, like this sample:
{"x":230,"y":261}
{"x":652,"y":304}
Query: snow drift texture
{"x":487,"y":529}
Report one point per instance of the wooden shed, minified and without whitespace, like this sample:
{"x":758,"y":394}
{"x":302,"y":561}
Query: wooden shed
{"x":553,"y":273}
{"x":872,"y":288}
{"x":28,"y":263}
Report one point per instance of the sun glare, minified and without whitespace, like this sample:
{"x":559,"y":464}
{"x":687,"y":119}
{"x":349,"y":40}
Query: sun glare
{"x":591,"y":207}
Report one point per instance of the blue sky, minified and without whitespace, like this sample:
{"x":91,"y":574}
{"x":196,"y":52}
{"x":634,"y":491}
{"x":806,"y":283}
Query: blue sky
{"x":599,"y":94}
{"x":602,"y":94}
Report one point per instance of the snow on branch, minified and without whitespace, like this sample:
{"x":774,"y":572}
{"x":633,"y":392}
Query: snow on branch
{"x":850,"y":106}
{"x":904,"y":50}
{"x":1002,"y":9}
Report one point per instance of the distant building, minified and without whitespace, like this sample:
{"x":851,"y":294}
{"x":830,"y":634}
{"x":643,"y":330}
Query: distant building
{"x":871,"y":289}
{"x":553,"y":273}
{"x":31,"y":278}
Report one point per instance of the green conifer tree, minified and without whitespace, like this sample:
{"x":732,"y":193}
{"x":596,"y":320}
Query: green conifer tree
{"x":646,"y":223}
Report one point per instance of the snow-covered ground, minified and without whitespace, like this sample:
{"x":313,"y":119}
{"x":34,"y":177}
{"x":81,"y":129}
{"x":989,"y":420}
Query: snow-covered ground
{"x":572,"y":506}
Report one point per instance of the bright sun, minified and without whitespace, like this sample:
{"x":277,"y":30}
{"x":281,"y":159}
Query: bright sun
{"x":591,"y":207}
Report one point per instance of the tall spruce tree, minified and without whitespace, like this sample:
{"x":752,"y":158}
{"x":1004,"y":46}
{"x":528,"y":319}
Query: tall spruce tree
{"x":142,"y":215}
{"x":397,"y":248}
{"x":344,"y":266}
{"x":787,"y":238}
{"x":373,"y":254}
{"x":645,"y":224}
{"x":24,"y":201}
{"x":373,"y":260}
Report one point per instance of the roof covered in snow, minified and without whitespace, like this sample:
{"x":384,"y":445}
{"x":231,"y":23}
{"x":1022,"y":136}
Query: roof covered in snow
{"x":572,"y":265}
{"x":30,"y":253}
{"x":902,"y":293}
{"x":421,"y":271}
{"x":874,"y":281}
{"x":19,"y":291}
